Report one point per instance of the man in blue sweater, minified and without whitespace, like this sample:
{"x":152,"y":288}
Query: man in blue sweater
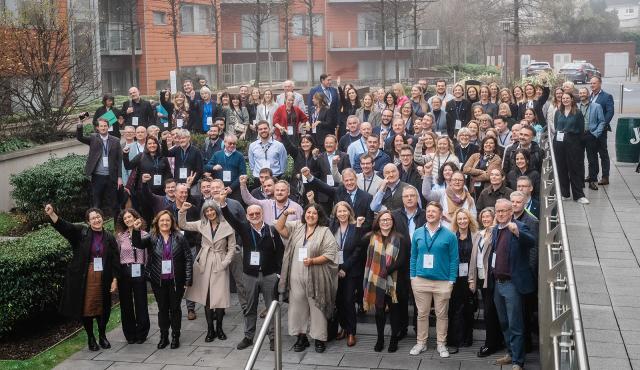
{"x":227,"y":165}
{"x":433,"y":269}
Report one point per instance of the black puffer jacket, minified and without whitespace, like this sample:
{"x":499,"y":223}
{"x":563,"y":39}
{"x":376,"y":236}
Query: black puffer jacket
{"x":182,"y":258}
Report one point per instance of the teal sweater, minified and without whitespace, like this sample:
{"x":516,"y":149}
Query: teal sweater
{"x":443,"y":247}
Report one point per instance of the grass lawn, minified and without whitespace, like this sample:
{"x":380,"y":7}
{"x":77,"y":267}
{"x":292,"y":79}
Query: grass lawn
{"x":55,"y":355}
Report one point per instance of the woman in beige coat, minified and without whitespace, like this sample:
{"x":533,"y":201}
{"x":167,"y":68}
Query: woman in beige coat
{"x":479,"y":165}
{"x":211,"y":266}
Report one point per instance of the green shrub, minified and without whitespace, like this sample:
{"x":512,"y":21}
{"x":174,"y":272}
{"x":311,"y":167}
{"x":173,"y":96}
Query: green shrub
{"x":32,"y":270}
{"x":14,"y":143}
{"x":60,"y":181}
{"x":8,"y":223}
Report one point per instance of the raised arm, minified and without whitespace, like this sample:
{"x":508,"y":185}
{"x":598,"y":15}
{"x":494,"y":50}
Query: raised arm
{"x":182,"y":219}
{"x":281,"y":223}
{"x":80,"y":134}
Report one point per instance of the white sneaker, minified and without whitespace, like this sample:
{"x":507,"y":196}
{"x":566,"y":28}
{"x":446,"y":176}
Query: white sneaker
{"x":418,"y":349}
{"x":443,"y":351}
{"x":583,"y":200}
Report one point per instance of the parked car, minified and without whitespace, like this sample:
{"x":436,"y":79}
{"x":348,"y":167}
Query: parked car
{"x":537,"y":67}
{"x":579,"y":72}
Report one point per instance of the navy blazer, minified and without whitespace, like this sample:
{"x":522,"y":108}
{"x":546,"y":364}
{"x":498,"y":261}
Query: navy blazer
{"x":606,"y":102}
{"x":352,"y":252}
{"x":519,"y":247}
{"x":334,"y":107}
{"x":361,"y":206}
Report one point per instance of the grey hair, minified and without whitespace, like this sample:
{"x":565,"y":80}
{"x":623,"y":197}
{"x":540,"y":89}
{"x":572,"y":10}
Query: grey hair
{"x":517,"y":194}
{"x":210,"y":204}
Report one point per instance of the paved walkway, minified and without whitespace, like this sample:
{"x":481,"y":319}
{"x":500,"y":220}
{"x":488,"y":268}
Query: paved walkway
{"x":604,"y":238}
{"x":194,"y":352}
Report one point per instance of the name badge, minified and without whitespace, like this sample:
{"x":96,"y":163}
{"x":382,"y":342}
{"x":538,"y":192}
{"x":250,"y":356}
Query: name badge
{"x":166,"y":266}
{"x":105,"y":161}
{"x":97,"y":264}
{"x":179,"y":122}
{"x":254,"y":260}
{"x":493,"y":261}
{"x":439,"y":133}
{"x":458,"y":124}
{"x":136,"y":270}
{"x":463,"y":269}
{"x":110,"y":129}
{"x":209,"y":121}
{"x":157,"y":180}
{"x":183,"y":172}
{"x":226,"y":175}
{"x":166,"y":124}
{"x":560,"y":136}
{"x":290,"y":130}
{"x":477,"y":184}
{"x":340,"y":257}
{"x":427,"y":261}
{"x":330,"y":180}
{"x":313,"y":130}
{"x":134,"y":121}
{"x":302,"y":254}
{"x":481,"y":273}
{"x":304,"y":179}
{"x":255,"y":122}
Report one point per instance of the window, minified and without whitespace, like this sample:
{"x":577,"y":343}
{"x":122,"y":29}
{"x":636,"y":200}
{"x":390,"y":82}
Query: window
{"x":629,"y":10}
{"x":301,"y":70}
{"x":269,"y":27}
{"x":372,"y":69}
{"x":197,"y":19}
{"x":301,"y":24}
{"x":159,"y":18}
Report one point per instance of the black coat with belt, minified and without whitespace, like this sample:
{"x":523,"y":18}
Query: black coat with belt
{"x":182,"y":258}
{"x":461,"y":111}
{"x":80,"y":238}
{"x":96,"y":150}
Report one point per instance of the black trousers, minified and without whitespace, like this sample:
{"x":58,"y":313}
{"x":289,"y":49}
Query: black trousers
{"x":394,"y":315}
{"x":461,"y":309}
{"x":403,"y":289}
{"x":529,"y":310}
{"x":494,"y":337}
{"x":570,"y":160}
{"x":133,"y":305}
{"x":346,"y":303}
{"x":104,"y":194}
{"x":168,"y":297}
{"x":591,"y":146}
{"x":603,"y":151}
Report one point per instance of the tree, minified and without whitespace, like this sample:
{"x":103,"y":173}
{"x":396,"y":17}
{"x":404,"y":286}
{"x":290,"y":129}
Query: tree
{"x":49,"y":71}
{"x":215,"y":12}
{"x":287,"y":17}
{"x":256,"y":20}
{"x":174,"y":18}
{"x":311,"y":21}
{"x":132,"y":30}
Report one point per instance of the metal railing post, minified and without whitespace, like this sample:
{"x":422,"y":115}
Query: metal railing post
{"x":273,"y":313}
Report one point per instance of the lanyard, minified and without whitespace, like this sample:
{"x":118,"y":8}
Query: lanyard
{"x":445,"y":160}
{"x":166,"y":248}
{"x":458,"y":108}
{"x":275,"y":210}
{"x":266,"y":149}
{"x":184,"y":154}
{"x":362,"y":144}
{"x":433,"y":239}
{"x":481,"y":244}
{"x":105,"y":148}
{"x":343,"y":237}
{"x":409,"y":219}
{"x":266,"y":112}
{"x":366,"y":188}
{"x":253,"y":236}
{"x":306,"y":239}
{"x":503,"y":142}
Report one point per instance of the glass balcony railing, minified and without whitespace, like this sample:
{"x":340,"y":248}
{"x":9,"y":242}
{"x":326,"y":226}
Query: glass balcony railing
{"x":372,"y":39}
{"x":115,"y":39}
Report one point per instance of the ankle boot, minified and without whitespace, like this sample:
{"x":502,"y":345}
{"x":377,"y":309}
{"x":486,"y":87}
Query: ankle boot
{"x":87,"y":322}
{"x":102,"y":338}
{"x":175,"y":339}
{"x":211,"y":330}
{"x":219,"y":316}
{"x":164,"y":339}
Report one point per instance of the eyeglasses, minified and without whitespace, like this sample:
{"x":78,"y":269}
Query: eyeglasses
{"x":457,"y":180}
{"x":253,"y":214}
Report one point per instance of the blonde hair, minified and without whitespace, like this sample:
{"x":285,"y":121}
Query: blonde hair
{"x":473,"y":225}
{"x":352,"y":217}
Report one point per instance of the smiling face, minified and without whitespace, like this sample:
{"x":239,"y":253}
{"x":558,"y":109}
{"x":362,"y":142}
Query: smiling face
{"x":486,"y":219}
{"x":477,"y":112}
{"x":128,"y":219}
{"x":457,"y":181}
{"x":447,"y":172}
{"x":330,"y":144}
{"x":433,"y":214}
{"x":342,"y":213}
{"x":521,"y":162}
{"x":281,"y":192}
{"x":152,"y":146}
{"x":306,"y":144}
{"x":443,"y":145}
{"x":386,"y":222}
{"x":489,"y":146}
{"x":389,"y":100}
{"x":95,"y":221}
{"x":462,"y":220}
{"x":211,"y":214}
{"x":103,"y":127}
{"x":458,"y":91}
{"x":311,"y":216}
{"x":165,"y":223}
{"x":267,"y":187}
{"x":473,"y":128}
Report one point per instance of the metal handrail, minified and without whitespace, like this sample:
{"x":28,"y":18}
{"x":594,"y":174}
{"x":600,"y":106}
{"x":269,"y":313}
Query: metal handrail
{"x":562,"y":343}
{"x":274,"y":311}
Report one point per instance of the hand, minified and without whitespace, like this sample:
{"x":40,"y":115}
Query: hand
{"x":164,"y":135}
{"x":221,"y":197}
{"x":315,"y":152}
{"x":126,"y":149}
{"x":383,"y":185}
{"x":315,"y":124}
{"x":472,"y":286}
{"x":217,"y":167}
{"x":308,"y":262}
{"x":307,"y":126}
{"x":336,"y":159}
{"x":341,"y":274}
{"x":513,"y":228}
{"x":114,"y":286}
{"x":360,"y":221}
{"x":445,"y":218}
{"x":48,"y":209}
{"x":310,"y":197}
{"x":421,"y":139}
{"x":146,"y":177}
{"x":288,"y":212}
{"x":137,"y":224}
{"x":420,"y":170}
{"x":428,"y":168}
{"x":160,"y":115}
{"x":185,"y":207}
{"x":119,"y":182}
{"x":305,"y":172}
{"x":228,"y":190}
{"x":282,"y":129}
{"x":129,"y":110}
{"x":191,"y":178}
{"x":243,"y":180}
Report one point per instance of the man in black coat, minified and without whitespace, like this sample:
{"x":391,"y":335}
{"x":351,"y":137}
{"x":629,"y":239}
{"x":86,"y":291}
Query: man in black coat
{"x":326,"y":161}
{"x":525,"y":141}
{"x":137,"y":111}
{"x":188,"y":159}
{"x":103,"y":167}
{"x":408,"y":170}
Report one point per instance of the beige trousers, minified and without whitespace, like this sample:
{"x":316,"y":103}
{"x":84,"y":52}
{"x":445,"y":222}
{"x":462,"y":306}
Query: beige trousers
{"x":424,"y":291}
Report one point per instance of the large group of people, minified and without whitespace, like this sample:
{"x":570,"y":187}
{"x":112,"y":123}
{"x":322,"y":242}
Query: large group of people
{"x":393,"y":201}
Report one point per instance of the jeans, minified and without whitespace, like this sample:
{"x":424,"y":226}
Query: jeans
{"x":509,"y":306}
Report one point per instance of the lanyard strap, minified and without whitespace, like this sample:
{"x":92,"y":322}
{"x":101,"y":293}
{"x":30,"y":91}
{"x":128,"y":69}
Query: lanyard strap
{"x":275,"y":210}
{"x":304,"y":243}
{"x":343,"y":237}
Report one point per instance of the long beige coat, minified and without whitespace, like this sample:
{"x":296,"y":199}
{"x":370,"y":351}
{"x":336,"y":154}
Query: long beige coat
{"x":210,"y":267}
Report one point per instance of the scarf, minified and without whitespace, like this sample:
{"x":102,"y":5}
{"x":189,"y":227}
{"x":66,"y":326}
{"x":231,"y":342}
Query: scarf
{"x":377,"y":284}
{"x":454,"y":202}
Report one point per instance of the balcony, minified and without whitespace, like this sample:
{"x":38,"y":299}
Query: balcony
{"x":371,"y":40}
{"x":242,"y":42}
{"x":115,"y":39}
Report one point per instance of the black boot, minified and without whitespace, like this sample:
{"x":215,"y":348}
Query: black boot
{"x":164,"y":339}
{"x":175,"y":339}
{"x":301,"y":343}
{"x":219,"y":316}
{"x":87,"y":322}
{"x":211,"y":330}
{"x":102,"y":338}
{"x":379,"y":344}
{"x":393,"y":344}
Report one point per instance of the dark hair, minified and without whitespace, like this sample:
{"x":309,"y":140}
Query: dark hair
{"x":120,"y":226}
{"x":262,"y":122}
{"x":487,"y":138}
{"x":106,"y":97}
{"x":535,"y":116}
{"x":441,"y":80}
{"x":525,"y":153}
{"x":393,"y":95}
{"x":529,"y":128}
{"x":154,"y":224}
{"x":322,"y":217}
{"x":597,"y":78}
{"x":233,"y":97}
{"x":93,"y":209}
{"x":375,"y":227}
{"x":434,"y":204}
{"x":169,"y":181}
{"x":266,"y":170}
{"x":324,"y":77}
{"x":346,"y":97}
{"x":310,"y":139}
{"x":153,"y":138}
{"x":452,"y":165}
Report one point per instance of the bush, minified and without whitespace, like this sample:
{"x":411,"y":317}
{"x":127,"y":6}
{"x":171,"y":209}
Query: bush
{"x":8,"y":223}
{"x":32,"y":270}
{"x":14,"y":143}
{"x":58,"y":180}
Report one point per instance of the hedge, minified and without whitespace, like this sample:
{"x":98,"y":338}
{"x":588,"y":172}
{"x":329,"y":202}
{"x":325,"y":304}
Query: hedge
{"x":32,"y":270}
{"x":60,"y":181}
